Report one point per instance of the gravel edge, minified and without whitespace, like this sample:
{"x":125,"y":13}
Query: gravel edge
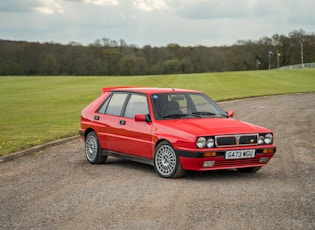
{"x":37,"y":148}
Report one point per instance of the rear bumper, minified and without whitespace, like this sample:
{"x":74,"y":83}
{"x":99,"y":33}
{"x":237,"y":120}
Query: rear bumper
{"x":196,"y":161}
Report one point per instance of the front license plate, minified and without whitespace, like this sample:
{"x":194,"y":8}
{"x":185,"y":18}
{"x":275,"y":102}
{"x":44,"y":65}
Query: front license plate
{"x":240,"y":154}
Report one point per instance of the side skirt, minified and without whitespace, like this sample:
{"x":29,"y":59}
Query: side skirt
{"x":128,"y":157}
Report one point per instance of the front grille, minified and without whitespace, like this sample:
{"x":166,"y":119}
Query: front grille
{"x":223,"y":141}
{"x":236,"y":162}
{"x":236,"y":140}
{"x":248,"y":139}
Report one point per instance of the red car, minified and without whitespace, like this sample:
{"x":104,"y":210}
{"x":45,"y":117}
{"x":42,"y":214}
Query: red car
{"x":173,"y":130}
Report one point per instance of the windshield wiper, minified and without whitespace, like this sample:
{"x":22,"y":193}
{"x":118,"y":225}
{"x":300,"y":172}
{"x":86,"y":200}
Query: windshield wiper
{"x":205,"y":113}
{"x":176,"y":115}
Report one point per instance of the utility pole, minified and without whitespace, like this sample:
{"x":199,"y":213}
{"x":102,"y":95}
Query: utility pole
{"x":270,"y":54}
{"x":302,"y":61}
{"x":278,"y":55}
{"x":257,"y":63}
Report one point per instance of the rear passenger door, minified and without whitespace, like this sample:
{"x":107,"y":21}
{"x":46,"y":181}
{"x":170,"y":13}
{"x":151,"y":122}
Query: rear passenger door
{"x":109,"y":118}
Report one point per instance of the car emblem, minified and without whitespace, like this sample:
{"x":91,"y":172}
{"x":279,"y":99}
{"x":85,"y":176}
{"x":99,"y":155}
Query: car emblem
{"x":237,"y":138}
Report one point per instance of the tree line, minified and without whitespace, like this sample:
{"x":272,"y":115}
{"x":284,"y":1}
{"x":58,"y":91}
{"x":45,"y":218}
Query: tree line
{"x":109,"y":57}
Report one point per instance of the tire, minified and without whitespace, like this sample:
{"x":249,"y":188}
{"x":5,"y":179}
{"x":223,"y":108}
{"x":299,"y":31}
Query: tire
{"x":93,"y":152}
{"x":249,"y":170}
{"x":166,"y":162}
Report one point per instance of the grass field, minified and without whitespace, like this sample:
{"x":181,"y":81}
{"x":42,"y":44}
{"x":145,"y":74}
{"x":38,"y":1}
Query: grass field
{"x":35,"y":110}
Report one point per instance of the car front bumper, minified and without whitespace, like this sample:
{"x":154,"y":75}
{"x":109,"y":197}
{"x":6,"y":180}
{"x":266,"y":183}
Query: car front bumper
{"x":197,"y":162}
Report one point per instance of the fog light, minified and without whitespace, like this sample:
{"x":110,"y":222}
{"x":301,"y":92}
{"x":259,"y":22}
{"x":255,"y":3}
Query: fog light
{"x":263,"y":159}
{"x":208,"y":164}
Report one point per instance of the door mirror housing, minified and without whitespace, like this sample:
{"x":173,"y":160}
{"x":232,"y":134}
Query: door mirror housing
{"x":230,"y":113}
{"x":142,"y":117}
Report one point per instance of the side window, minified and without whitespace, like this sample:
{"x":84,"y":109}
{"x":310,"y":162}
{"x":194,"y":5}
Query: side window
{"x":104,"y":106}
{"x":114,"y":105}
{"x":137,"y":104}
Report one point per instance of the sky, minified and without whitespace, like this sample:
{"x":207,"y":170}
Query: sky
{"x":153,"y":22}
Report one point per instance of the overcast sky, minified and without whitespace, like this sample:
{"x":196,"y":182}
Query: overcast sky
{"x":153,"y":22}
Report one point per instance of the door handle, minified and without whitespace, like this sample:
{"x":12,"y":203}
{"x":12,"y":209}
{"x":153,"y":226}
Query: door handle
{"x":96,"y":118}
{"x":122,"y":122}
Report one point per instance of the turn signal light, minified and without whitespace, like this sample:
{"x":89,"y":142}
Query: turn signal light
{"x":210,"y":154}
{"x":268,"y":151}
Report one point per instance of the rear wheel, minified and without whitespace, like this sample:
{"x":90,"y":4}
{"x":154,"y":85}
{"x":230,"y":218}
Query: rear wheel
{"x":249,"y":170}
{"x":166,"y":162}
{"x":93,"y":150}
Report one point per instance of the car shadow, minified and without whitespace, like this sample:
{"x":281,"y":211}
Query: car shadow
{"x":117,"y":162}
{"x":227,"y":174}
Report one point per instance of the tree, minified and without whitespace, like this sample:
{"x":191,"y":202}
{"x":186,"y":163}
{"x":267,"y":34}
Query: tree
{"x":172,"y":66}
{"x":49,"y":65}
{"x":131,"y":65}
{"x":110,"y":57}
{"x":111,"y":61}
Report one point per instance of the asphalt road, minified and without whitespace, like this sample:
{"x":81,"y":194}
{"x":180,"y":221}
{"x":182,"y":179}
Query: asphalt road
{"x":56,"y":188}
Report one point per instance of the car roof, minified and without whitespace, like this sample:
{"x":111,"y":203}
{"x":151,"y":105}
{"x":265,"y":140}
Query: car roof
{"x":147,"y":90}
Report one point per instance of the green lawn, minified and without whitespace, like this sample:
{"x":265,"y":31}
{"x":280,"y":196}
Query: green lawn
{"x":35,"y":110}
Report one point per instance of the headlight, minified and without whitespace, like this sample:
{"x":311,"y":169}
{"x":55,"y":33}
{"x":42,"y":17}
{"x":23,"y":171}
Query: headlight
{"x":261,"y":140}
{"x":201,"y":142}
{"x":210,"y":143}
{"x":265,"y":139}
{"x":268,"y":138}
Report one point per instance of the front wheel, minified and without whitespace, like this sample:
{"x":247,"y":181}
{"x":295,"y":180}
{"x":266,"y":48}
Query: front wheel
{"x":93,"y":150}
{"x":249,"y":170}
{"x":166,"y":162}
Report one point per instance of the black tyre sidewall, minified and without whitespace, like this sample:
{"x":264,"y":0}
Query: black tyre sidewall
{"x":99,"y":159}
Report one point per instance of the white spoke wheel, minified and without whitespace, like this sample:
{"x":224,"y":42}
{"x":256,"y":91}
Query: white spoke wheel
{"x":93,"y":151}
{"x":166,"y":162}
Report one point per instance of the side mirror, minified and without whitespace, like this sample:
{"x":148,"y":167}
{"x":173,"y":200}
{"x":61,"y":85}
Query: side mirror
{"x":230,"y":113}
{"x":142,"y":117}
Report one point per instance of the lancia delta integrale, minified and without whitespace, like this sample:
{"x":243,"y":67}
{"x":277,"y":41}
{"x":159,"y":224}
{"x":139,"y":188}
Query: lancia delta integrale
{"x":174,"y":130}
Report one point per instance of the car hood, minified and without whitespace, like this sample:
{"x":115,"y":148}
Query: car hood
{"x":214,"y":126}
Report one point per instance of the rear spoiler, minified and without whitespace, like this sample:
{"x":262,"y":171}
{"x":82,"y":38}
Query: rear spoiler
{"x":116,"y":87}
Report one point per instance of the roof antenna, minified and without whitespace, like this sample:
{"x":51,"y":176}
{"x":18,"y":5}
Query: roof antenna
{"x":167,"y":86}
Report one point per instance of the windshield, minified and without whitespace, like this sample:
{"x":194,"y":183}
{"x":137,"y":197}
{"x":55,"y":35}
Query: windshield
{"x":185,"y":105}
